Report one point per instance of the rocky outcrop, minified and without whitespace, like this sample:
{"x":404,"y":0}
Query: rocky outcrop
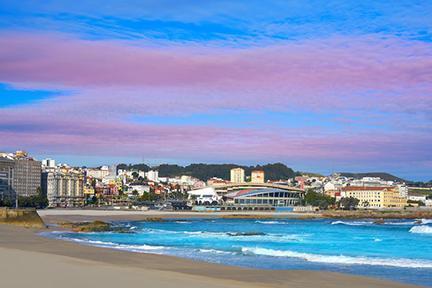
{"x":95,"y":226}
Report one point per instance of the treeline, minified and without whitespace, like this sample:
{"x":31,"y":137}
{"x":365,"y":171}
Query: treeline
{"x":383,"y":175}
{"x":275,"y":171}
{"x":39,"y":201}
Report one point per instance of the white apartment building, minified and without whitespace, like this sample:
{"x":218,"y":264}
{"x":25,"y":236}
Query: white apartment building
{"x":237,"y":175}
{"x":63,"y":188}
{"x":152,"y":175}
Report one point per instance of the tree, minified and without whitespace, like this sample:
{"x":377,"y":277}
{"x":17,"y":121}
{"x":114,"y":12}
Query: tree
{"x":348,"y":203}
{"x":135,"y":175}
{"x":92,"y":200}
{"x":317,"y":199}
{"x":39,"y":201}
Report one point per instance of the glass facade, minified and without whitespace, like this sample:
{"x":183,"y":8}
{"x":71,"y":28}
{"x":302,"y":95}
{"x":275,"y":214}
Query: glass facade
{"x":268,"y":198}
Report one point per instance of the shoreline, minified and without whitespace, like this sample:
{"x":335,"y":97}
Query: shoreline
{"x":51,"y":216}
{"x":22,"y":242}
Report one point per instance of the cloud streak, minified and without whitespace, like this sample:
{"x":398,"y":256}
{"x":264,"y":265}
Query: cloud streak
{"x":109,"y":82}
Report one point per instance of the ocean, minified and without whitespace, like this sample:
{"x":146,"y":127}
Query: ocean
{"x":399,"y":250}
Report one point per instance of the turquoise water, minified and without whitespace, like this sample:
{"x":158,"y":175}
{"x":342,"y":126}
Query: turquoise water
{"x":399,"y":250}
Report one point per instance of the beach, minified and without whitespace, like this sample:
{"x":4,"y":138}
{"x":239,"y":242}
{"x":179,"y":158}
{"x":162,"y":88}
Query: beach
{"x":30,"y":259}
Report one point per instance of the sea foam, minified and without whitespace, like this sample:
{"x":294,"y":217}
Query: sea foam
{"x":422,"y":229}
{"x":352,"y":223}
{"x":269,"y":222}
{"x":340,"y":259}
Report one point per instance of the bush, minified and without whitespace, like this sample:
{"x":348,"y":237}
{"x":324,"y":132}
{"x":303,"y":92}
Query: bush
{"x":317,"y":199}
{"x":348,"y":203}
{"x":38,"y":201}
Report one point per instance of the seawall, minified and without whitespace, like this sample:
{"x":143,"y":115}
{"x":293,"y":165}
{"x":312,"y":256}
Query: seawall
{"x":21,"y":217}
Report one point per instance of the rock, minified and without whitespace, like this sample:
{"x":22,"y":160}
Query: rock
{"x":154,"y":219}
{"x":95,"y":226}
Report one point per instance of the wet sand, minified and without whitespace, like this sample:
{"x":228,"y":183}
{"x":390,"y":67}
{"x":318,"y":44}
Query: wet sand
{"x":30,"y":259}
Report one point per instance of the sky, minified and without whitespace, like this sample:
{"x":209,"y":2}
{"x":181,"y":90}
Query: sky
{"x":322,"y":86}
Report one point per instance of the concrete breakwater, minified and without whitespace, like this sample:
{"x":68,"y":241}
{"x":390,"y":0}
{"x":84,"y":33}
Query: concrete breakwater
{"x":21,"y":217}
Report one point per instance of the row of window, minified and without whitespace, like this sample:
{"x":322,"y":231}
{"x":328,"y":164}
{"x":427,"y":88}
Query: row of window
{"x":272,"y":202}
{"x":275,"y":195}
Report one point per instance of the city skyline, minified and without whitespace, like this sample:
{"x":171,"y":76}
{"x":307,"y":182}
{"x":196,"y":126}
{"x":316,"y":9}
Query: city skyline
{"x":341,"y":87}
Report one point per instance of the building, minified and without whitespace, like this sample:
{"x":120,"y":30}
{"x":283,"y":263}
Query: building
{"x":6,"y":178}
{"x":152,"y":175}
{"x":264,"y":197}
{"x":375,"y":196}
{"x":214,"y":181}
{"x":98,"y":173}
{"x":49,"y":163}
{"x":257,"y":176}
{"x":237,"y":175}
{"x":64,"y":188}
{"x":139,"y":189}
{"x":26,"y":174}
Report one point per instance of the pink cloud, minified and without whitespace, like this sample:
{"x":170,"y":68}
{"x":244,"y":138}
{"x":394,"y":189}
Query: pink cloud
{"x":124,"y":78}
{"x":345,"y":62}
{"x":201,"y":142}
{"x":111,"y":81}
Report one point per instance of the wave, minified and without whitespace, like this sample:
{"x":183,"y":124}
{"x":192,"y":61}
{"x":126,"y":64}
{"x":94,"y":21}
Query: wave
{"x":409,"y":223}
{"x":183,"y":222}
{"x":107,"y":244}
{"x":368,"y":223}
{"x":422,"y":229}
{"x":353,"y":223}
{"x":426,"y":221}
{"x":214,"y":251}
{"x":245,"y":236}
{"x":269,"y":222}
{"x":346,"y":260}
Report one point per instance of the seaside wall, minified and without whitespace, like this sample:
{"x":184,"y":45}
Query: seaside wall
{"x":21,"y":217}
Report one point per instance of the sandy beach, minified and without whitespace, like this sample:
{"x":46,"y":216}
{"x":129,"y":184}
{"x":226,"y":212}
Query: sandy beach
{"x":30,"y":259}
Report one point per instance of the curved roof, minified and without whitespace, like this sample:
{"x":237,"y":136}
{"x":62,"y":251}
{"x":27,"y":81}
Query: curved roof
{"x":253,"y":192}
{"x":264,"y":185}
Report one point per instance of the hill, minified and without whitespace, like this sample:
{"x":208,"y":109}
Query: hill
{"x":275,"y":171}
{"x":383,"y":175}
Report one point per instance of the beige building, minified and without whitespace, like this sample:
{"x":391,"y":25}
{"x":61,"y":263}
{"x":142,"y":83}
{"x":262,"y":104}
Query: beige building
{"x":375,"y":197}
{"x":237,"y":175}
{"x":257,"y":176}
{"x":64,"y":188}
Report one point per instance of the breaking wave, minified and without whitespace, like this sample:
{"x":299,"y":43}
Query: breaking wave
{"x":422,"y":229}
{"x":352,"y":223}
{"x":214,"y":251}
{"x":346,"y":260}
{"x":106,"y":244}
{"x":269,"y":222}
{"x":249,"y":236}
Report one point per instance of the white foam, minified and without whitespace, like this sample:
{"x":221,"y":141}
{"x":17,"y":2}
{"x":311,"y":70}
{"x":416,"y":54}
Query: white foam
{"x":409,"y":223}
{"x":270,"y":222}
{"x":258,"y":238}
{"x":183,"y":222}
{"x":214,"y":251}
{"x":346,"y":260}
{"x":107,"y":244}
{"x":422,"y":229}
{"x":426,"y":221}
{"x":353,"y":223}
